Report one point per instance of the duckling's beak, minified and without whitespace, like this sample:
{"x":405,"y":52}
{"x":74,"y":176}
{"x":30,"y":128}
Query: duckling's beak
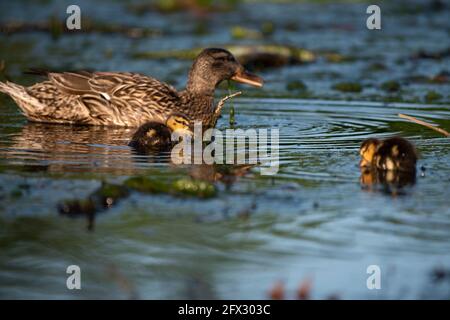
{"x":243,"y":76}
{"x":364,"y":163}
{"x":184,"y":132}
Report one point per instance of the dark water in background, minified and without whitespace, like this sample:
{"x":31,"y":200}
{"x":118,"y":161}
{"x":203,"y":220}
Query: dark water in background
{"x":312,"y":220}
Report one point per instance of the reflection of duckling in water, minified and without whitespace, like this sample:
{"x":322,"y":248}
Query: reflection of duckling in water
{"x":391,"y":162}
{"x":388,"y":178}
{"x":393,"y":154}
{"x":155,"y":136}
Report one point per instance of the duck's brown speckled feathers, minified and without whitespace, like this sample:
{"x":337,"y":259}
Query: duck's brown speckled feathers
{"x":128,"y":99}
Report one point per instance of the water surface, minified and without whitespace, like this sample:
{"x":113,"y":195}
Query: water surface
{"x":312,"y":220}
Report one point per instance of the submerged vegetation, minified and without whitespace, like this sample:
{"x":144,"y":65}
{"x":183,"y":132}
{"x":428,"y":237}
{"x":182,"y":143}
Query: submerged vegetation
{"x":391,"y":86}
{"x":179,"y":187}
{"x":108,"y":194}
{"x":262,"y":55}
{"x":348,"y":87}
{"x":432,"y":96}
{"x":56,"y":27}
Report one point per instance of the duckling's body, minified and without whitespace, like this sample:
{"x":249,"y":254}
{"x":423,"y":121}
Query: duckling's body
{"x":393,"y":154}
{"x":128,"y":99}
{"x":151,"y":136}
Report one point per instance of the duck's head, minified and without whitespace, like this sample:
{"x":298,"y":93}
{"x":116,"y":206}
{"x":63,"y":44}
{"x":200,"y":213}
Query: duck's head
{"x":212,"y":66}
{"x":367,"y":151}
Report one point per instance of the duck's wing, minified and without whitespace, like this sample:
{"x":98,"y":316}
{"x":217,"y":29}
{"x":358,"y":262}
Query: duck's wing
{"x":76,"y":83}
{"x":119,"y":97}
{"x":110,"y":83}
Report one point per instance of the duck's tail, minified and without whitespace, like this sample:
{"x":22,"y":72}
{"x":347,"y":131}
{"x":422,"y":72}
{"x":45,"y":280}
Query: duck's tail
{"x":28,"y":104}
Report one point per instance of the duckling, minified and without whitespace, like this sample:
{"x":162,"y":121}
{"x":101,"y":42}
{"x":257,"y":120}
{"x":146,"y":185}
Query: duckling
{"x":394,"y":154}
{"x":154,"y":136}
{"x":128,"y":99}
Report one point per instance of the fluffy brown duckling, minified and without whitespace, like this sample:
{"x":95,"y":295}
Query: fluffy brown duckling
{"x":391,"y":154}
{"x":155,"y":136}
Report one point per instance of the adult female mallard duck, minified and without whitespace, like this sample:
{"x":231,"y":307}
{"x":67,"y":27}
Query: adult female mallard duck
{"x":394,"y":154}
{"x":129,"y":99}
{"x":154,"y":136}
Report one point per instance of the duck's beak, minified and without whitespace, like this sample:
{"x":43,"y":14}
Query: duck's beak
{"x":243,"y":76}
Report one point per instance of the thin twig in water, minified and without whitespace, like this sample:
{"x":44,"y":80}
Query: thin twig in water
{"x":222,"y":102}
{"x":425,"y":124}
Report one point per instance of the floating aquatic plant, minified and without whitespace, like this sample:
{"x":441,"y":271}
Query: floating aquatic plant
{"x":348,"y":87}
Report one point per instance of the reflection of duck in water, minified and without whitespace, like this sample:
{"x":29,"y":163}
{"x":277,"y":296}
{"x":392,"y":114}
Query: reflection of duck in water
{"x":391,"y":162}
{"x":69,"y":148}
{"x":154,"y":136}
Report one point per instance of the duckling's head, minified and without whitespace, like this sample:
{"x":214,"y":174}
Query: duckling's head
{"x":180,"y":123}
{"x":212,"y":66}
{"x":367,"y":151}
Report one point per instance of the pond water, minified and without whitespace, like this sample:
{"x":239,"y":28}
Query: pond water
{"x":312,"y":221}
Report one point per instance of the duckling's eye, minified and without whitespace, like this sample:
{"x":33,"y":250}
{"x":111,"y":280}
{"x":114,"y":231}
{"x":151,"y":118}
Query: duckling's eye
{"x":182,"y":121}
{"x":394,"y":151}
{"x":151,"y":133}
{"x":362,"y":150}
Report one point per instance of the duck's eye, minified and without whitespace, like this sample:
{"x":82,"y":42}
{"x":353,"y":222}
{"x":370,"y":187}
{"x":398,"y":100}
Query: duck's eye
{"x":229,"y":59}
{"x":220,"y":56}
{"x":218,"y":64}
{"x":224,"y":58}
